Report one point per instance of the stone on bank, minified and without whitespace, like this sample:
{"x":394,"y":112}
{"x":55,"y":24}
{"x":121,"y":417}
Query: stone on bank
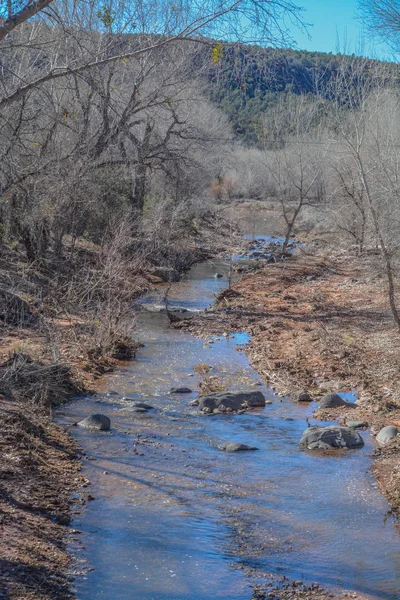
{"x":326,"y":438}
{"x":97,"y":421}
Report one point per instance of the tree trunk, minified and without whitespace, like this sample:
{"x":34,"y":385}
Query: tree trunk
{"x":383,"y":249}
{"x":290,"y":226}
{"x":139,"y":190}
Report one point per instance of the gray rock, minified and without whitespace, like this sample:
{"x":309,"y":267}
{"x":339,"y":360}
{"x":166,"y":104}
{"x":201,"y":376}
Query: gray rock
{"x":236,"y":447}
{"x":218,"y":275}
{"x":301,"y":396}
{"x":180,"y":390}
{"x":333,"y":401}
{"x":387,"y":434}
{"x":142,"y":405}
{"x":232,"y":400}
{"x":356,"y":424}
{"x":99,"y":422}
{"x":331,"y":437}
{"x":327,"y":386}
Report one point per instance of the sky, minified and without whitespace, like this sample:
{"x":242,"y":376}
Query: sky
{"x":335,"y":27}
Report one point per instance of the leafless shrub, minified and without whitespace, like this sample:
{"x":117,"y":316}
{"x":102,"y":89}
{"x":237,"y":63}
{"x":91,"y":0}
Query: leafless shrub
{"x":39,"y":383}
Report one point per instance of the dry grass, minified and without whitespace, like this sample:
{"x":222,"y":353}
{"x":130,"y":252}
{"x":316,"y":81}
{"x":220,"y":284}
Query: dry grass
{"x":44,"y":385}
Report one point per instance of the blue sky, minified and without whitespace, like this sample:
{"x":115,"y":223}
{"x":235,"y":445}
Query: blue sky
{"x":336,"y":28}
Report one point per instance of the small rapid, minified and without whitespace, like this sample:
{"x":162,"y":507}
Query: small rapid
{"x":175,"y":518}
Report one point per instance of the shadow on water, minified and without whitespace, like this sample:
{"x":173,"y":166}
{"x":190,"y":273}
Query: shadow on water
{"x":173,"y":515}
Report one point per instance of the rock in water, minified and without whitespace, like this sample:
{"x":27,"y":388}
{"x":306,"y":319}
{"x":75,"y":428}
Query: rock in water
{"x":387,"y":434}
{"x":99,"y":422}
{"x":236,"y":447}
{"x":231,"y":400}
{"x":180,"y":390}
{"x":324,"y":438}
{"x":142,"y":405}
{"x":334,"y":401}
{"x":218,"y":275}
{"x":301,"y":396}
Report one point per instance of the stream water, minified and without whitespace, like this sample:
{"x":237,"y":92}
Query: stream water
{"x":175,"y":518}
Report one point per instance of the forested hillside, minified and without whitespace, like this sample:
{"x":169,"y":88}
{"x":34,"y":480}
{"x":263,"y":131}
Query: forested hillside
{"x":247,"y":81}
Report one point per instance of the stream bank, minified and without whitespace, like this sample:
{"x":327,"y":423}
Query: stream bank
{"x":320,"y":324}
{"x":173,"y":517}
{"x":49,"y":352}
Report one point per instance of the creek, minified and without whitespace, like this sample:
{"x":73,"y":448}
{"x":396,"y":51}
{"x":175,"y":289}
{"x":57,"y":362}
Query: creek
{"x":175,"y":518}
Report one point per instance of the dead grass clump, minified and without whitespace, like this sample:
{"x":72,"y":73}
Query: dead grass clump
{"x":228,"y":294}
{"x":14,"y":310}
{"x":210,"y":384}
{"x":42,"y":384}
{"x":202,"y":368}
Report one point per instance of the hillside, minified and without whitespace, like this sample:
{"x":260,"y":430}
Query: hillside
{"x":247,"y":81}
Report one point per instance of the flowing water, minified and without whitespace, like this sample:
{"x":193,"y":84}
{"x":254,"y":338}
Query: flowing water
{"x":175,"y":518}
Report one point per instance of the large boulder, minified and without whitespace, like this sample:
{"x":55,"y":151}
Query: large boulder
{"x":236,"y":447}
{"x":334,"y":401}
{"x":231,"y":400}
{"x":325,"y":438}
{"x":99,"y":422}
{"x":387,"y":434}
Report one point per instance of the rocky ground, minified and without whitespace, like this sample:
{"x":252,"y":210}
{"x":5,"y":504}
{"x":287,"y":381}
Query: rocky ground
{"x":320,"y":324}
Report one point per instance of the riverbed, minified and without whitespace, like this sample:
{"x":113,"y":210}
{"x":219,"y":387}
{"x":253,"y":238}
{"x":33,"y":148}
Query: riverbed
{"x":174,"y":517}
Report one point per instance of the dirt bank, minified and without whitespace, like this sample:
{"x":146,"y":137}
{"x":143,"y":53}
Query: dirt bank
{"x":39,"y":470}
{"x":320,"y":324}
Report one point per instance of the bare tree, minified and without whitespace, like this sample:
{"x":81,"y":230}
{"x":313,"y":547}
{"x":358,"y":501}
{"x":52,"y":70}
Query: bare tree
{"x":150,"y":25}
{"x":382,"y":18}
{"x":296,"y":163}
{"x":366,"y":115}
{"x":347,"y":200}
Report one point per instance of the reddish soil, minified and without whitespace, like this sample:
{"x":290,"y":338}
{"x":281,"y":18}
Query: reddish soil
{"x":39,"y":470}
